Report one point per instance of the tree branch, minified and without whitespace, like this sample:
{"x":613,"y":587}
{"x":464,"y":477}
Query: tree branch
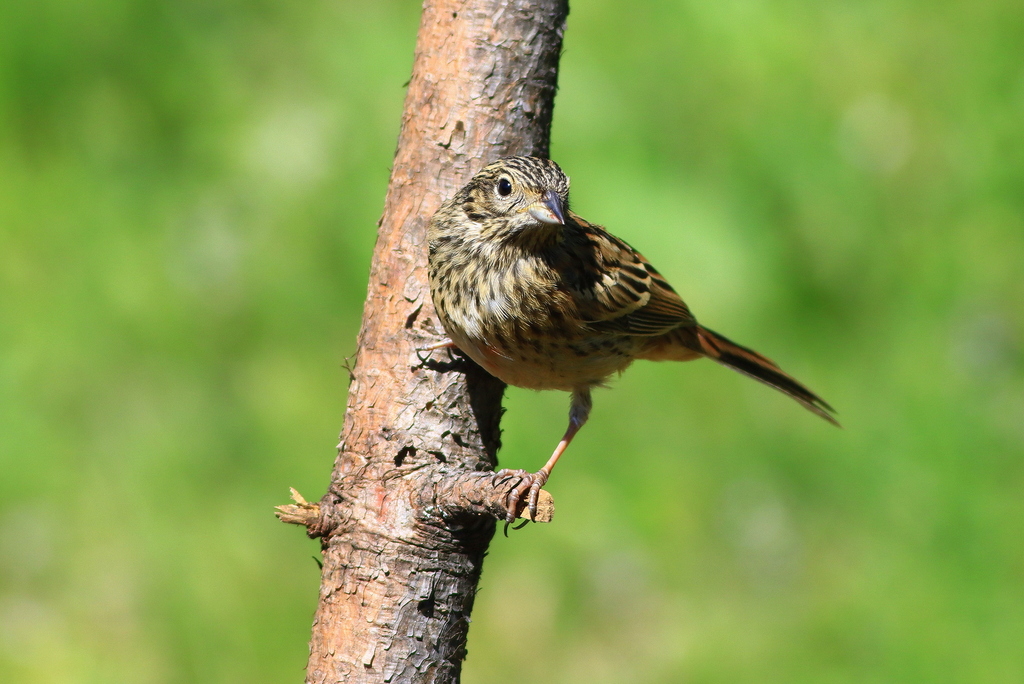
{"x":412,"y":503}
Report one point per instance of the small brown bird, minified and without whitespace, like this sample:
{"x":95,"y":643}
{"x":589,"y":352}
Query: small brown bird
{"x":543,"y":299}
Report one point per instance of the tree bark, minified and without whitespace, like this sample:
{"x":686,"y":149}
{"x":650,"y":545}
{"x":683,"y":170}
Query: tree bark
{"x":412,"y":507}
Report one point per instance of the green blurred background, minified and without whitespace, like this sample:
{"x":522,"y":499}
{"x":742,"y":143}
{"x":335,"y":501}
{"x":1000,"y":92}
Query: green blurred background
{"x":188,"y":193}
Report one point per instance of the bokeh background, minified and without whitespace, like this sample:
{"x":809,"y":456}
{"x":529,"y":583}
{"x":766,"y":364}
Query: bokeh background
{"x":188,"y":197}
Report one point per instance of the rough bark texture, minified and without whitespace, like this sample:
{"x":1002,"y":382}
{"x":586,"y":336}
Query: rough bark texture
{"x":411,"y":508}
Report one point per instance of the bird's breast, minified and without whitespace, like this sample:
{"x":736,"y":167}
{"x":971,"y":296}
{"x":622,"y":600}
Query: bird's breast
{"x":514,"y":315}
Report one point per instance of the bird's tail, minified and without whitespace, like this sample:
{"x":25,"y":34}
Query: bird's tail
{"x":747,"y":361}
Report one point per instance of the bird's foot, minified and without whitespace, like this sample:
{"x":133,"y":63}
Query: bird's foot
{"x":524,"y":492}
{"x":447,"y":344}
{"x":423,"y":353}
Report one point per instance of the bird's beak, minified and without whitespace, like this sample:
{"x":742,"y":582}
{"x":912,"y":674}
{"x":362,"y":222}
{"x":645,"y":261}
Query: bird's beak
{"x":549,"y":209}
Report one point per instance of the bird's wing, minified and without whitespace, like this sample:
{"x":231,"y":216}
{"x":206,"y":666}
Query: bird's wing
{"x":630,"y":297}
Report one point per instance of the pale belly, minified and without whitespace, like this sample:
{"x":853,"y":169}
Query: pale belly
{"x":563,"y":365}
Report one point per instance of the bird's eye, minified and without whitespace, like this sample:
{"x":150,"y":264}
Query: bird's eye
{"x":504,"y":187}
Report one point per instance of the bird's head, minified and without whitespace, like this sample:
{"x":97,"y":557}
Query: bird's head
{"x":516,"y":196}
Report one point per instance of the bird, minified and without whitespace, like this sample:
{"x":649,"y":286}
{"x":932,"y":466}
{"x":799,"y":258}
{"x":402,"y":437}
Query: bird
{"x":543,"y":299}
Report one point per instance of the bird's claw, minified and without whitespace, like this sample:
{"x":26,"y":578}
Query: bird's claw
{"x":505,"y":475}
{"x":424,"y":353}
{"x":524,"y":493}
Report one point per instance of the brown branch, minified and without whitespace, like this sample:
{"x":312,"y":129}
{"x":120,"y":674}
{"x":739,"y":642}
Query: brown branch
{"x":412,"y":506}
{"x":476,"y":495}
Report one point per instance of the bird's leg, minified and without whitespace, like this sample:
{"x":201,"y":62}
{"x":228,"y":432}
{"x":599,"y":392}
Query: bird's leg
{"x":423,"y":353}
{"x":531,"y":483}
{"x":447,"y":344}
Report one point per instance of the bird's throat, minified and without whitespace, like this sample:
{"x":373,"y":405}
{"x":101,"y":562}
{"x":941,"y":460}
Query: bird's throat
{"x":537,"y":236}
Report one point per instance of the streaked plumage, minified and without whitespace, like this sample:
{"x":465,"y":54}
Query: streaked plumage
{"x":543,"y":299}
